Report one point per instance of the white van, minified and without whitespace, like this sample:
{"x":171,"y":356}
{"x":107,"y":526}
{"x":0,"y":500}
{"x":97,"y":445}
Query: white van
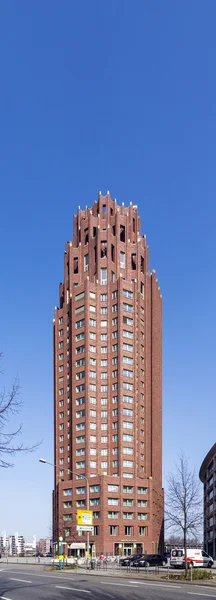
{"x":195,"y":558}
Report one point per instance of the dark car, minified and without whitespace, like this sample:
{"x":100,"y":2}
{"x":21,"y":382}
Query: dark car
{"x":151,"y":560}
{"x":126,"y":560}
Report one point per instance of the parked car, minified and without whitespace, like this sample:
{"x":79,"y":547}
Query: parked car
{"x":151,"y":560}
{"x":126,"y":560}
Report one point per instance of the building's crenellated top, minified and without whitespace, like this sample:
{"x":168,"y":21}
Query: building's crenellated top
{"x":205,"y":464}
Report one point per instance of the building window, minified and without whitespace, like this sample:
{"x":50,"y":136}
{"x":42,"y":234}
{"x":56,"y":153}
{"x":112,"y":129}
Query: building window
{"x":80,"y":439}
{"x":114,"y":530}
{"x":92,"y":374}
{"x":80,"y":375}
{"x":128,"y":321}
{"x":104,"y":465}
{"x":127,"y":347}
{"x":92,"y":361}
{"x":80,"y":503}
{"x":80,"y":414}
{"x":127,"y":334}
{"x":61,"y":332}
{"x":103,"y":401}
{"x":104,"y":350}
{"x":80,"y":426}
{"x":92,"y":335}
{"x":93,"y":439}
{"x":92,"y":400}
{"x":127,"y":450}
{"x":104,"y":439}
{"x":112,"y":514}
{"x":127,"y":399}
{"x":103,"y":323}
{"x":94,"y":501}
{"x":80,"y":349}
{"x":103,"y":388}
{"x":93,"y":426}
{"x":92,"y":349}
{"x":143,"y":531}
{"x":80,"y":401}
{"x":75,"y":262}
{"x":94,"y":488}
{"x":115,"y":308}
{"x":92,"y":323}
{"x":61,"y":344}
{"x":86,"y":262}
{"x":104,"y":426}
{"x":127,"y":412}
{"x":103,"y":297}
{"x":127,"y":515}
{"x":93,"y":413}
{"x":93,"y":464}
{"x":127,"y":425}
{"x":142,"y":490}
{"x":104,"y":414}
{"x":115,"y":348}
{"x":80,"y":336}
{"x":128,"y":530}
{"x":128,"y":294}
{"x":115,"y":321}
{"x":112,"y":488}
{"x":80,"y":388}
{"x":127,"y":386}
{"x":122,"y":233}
{"x":104,"y":310}
{"x":67,"y":492}
{"x":122,"y":260}
{"x":103,"y":337}
{"x":103,"y":276}
{"x":103,"y":375}
{"x":96,"y":530}
{"x":81,"y":490}
{"x":79,"y":296}
{"x":127,"y":307}
{"x":128,"y":464}
{"x":92,"y":387}
{"x":80,"y":362}
{"x":104,"y":452}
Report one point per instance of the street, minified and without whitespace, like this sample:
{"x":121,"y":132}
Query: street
{"x":21,"y":583}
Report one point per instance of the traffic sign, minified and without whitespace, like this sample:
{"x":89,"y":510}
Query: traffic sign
{"x":84,"y":517}
{"x":85,"y":528}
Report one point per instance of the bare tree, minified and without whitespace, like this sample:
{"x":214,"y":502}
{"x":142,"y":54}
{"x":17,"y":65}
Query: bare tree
{"x":11,"y":404}
{"x":183,"y":502}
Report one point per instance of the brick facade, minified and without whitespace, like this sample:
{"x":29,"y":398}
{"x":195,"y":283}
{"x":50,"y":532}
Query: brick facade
{"x":108,"y":383}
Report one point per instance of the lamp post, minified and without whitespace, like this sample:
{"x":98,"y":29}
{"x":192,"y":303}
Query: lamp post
{"x":44,"y":461}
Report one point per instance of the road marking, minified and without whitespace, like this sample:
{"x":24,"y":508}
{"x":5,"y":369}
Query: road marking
{"x":121,"y":584}
{"x":202,"y":594}
{"x":165,"y":585}
{"x":4,"y":598}
{"x":61,"y":587}
{"x":40,"y":575}
{"x":22,"y":580}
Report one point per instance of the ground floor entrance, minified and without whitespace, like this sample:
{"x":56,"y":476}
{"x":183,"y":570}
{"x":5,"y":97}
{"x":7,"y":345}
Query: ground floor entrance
{"x":128,"y":548}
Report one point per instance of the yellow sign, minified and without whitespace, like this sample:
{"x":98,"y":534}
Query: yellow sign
{"x":61,"y":557}
{"x":84,"y":517}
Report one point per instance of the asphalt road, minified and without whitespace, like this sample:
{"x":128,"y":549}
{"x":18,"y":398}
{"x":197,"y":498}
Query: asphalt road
{"x":31,"y":584}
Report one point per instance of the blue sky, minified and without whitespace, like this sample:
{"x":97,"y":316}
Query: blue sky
{"x":97,"y":96}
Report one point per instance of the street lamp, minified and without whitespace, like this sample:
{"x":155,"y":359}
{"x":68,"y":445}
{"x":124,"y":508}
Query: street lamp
{"x":43,"y":460}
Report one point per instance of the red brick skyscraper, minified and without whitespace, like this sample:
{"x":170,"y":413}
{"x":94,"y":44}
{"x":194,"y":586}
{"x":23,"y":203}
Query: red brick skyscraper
{"x":108,"y":383}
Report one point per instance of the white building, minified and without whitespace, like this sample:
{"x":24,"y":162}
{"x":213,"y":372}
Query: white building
{"x":11,"y":545}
